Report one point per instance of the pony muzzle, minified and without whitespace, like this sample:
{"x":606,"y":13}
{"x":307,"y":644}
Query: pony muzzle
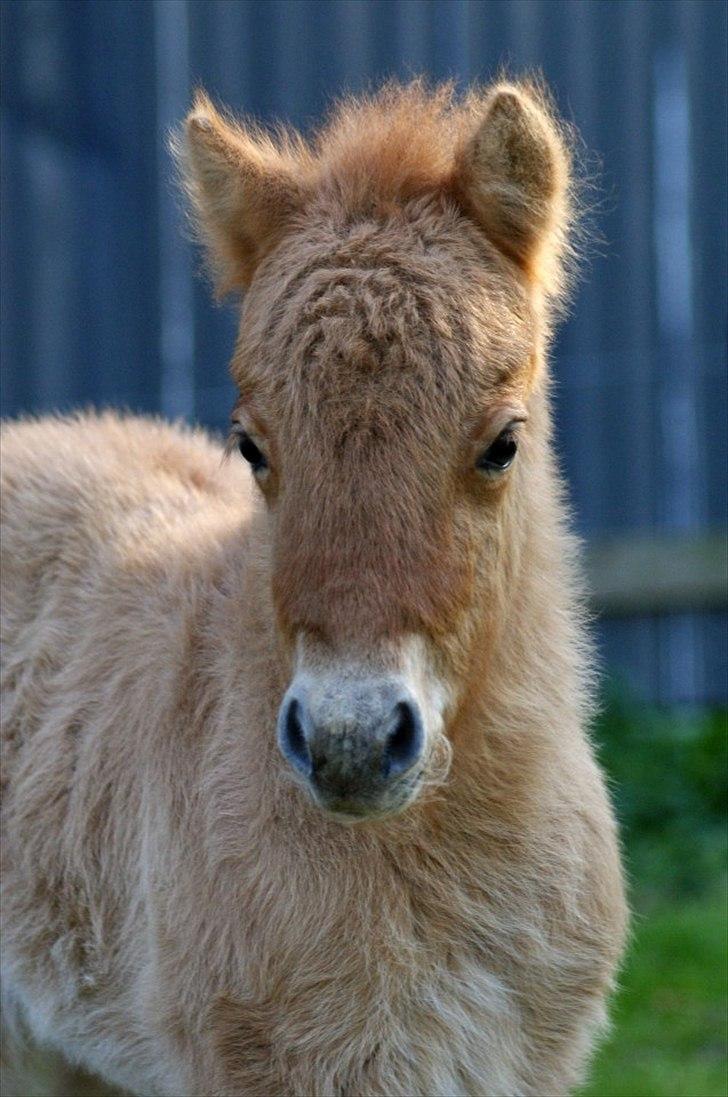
{"x":357,"y":745}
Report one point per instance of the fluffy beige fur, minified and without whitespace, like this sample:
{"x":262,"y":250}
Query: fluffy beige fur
{"x":179,"y":917}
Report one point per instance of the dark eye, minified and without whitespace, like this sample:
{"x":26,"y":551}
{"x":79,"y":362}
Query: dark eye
{"x":251,"y":453}
{"x":500,"y":454}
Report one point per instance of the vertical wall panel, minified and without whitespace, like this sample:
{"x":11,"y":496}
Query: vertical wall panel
{"x":103,"y":300}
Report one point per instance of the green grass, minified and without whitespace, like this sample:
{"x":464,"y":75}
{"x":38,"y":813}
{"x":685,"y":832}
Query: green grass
{"x":668,"y":1037}
{"x":669,"y":1018}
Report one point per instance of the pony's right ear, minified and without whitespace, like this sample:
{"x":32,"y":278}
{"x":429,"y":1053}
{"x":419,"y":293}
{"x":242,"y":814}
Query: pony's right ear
{"x":243,"y":187}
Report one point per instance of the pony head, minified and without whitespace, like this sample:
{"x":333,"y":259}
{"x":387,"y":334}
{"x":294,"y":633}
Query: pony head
{"x":401,"y":270}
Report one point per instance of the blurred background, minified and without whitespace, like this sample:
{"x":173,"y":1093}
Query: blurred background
{"x":103,"y":303}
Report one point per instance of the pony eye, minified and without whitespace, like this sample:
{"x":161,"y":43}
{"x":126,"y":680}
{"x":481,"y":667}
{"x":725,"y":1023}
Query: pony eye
{"x":251,"y":453}
{"x":500,"y":453}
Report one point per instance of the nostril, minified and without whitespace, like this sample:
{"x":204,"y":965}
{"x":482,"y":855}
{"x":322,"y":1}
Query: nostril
{"x":404,"y":744}
{"x":293,"y":738}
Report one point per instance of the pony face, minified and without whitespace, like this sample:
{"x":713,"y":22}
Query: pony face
{"x":388,"y":355}
{"x":383,"y":378}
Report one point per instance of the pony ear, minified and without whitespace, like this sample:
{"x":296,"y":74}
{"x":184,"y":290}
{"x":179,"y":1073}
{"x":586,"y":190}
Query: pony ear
{"x":513,"y":177}
{"x":243,"y":187}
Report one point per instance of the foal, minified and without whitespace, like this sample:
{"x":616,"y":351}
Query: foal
{"x":299,"y":796}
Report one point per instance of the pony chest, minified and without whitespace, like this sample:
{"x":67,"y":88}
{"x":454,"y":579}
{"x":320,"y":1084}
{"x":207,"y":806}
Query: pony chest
{"x":378,"y":1019}
{"x":401,"y":962}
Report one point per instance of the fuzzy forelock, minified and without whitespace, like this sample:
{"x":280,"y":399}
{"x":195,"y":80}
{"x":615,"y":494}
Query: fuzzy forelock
{"x":397,"y":143}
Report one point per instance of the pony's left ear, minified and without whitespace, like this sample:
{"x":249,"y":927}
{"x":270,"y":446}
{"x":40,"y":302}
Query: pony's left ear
{"x":514,"y":178}
{"x":244,"y":188}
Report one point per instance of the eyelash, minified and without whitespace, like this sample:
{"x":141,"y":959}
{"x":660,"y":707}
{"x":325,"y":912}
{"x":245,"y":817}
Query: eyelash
{"x":501,"y":453}
{"x":249,"y":451}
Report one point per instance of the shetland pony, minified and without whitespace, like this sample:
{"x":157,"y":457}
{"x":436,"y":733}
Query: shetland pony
{"x":299,"y":797}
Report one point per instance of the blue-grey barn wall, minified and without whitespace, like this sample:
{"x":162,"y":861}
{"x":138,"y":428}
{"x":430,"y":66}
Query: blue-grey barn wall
{"x":103,"y":302}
